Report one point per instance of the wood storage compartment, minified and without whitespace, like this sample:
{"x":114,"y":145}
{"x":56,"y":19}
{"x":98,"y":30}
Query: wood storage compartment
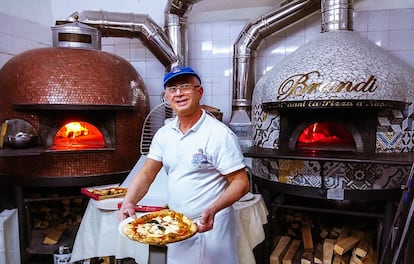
{"x":52,"y":217}
{"x":310,"y":231}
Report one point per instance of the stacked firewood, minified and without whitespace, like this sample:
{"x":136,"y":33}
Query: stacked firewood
{"x":56,"y":212}
{"x":307,"y":242}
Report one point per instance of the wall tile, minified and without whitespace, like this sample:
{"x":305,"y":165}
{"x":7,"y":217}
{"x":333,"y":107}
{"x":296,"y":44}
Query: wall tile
{"x":400,"y":19}
{"x":378,"y":20}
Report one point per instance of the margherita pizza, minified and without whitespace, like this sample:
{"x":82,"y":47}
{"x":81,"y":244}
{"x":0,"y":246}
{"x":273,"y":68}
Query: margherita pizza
{"x":160,"y":228}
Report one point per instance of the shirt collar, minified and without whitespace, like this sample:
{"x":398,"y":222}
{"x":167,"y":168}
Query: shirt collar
{"x":195,"y":127}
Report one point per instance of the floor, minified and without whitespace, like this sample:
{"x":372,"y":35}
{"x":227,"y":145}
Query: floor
{"x":48,"y":259}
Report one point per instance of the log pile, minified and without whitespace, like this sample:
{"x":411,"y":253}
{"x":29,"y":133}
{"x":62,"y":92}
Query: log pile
{"x":56,"y":212}
{"x":306,"y":242}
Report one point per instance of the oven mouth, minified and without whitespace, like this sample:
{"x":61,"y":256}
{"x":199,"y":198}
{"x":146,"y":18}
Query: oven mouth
{"x":78,"y":135}
{"x":325,"y":135}
{"x":78,"y":131}
{"x":337,"y":130}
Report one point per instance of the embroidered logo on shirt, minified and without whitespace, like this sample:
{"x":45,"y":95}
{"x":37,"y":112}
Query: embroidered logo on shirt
{"x":200,"y":159}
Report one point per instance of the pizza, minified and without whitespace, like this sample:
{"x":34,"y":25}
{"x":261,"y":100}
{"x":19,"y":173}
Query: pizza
{"x":111,"y":191}
{"x":160,"y":228}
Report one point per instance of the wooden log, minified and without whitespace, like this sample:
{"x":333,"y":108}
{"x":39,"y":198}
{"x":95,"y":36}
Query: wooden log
{"x":291,"y":253}
{"x":337,"y":259}
{"x":335,"y":232}
{"x":306,"y":258}
{"x":324,"y":232}
{"x":346,"y":244}
{"x":307,"y":238}
{"x":370,"y":258}
{"x":354,"y":258}
{"x":344,"y":259}
{"x":318,"y":256}
{"x":280,"y":249}
{"x":54,"y":236}
{"x":362,"y":248}
{"x":328,"y":246}
{"x":345,"y":232}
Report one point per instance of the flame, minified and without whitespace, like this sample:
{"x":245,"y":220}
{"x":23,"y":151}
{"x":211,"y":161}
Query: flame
{"x":78,"y":135}
{"x":75,"y":129}
{"x":326,"y":132}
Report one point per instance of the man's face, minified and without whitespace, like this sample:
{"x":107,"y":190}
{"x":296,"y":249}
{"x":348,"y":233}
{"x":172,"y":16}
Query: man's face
{"x":184,"y":94}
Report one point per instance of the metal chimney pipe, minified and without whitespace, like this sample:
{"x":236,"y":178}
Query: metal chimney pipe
{"x":337,"y":15}
{"x":250,"y":38}
{"x":176,"y":16}
{"x":243,"y":61}
{"x":130,"y":25}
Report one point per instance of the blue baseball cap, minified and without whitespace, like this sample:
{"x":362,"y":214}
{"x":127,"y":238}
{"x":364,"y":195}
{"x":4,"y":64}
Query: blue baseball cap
{"x":179,"y":71}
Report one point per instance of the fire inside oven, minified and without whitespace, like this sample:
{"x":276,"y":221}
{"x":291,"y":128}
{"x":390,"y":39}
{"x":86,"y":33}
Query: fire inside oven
{"x":325,"y":135}
{"x":344,"y":130}
{"x":78,"y":135}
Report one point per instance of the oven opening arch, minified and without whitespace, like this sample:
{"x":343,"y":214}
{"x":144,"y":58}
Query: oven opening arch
{"x":78,"y":131}
{"x":362,"y":125}
{"x":78,"y":135}
{"x":326,"y":135}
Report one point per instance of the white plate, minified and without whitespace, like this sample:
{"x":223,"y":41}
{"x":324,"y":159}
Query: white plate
{"x":107,"y":204}
{"x":247,"y":197}
{"x":122,"y":224}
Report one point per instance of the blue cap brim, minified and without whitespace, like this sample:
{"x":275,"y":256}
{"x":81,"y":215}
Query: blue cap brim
{"x":179,"y":71}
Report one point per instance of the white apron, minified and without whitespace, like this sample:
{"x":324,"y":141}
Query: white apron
{"x":216,"y":246}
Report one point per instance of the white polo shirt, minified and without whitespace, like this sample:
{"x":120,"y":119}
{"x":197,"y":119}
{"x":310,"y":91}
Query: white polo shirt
{"x":196,"y":162}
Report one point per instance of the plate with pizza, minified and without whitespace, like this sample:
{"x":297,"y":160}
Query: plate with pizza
{"x":158,"y":228}
{"x":104,"y":192}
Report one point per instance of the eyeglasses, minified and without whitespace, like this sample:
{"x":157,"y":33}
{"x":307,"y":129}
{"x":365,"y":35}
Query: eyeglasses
{"x":184,"y":88}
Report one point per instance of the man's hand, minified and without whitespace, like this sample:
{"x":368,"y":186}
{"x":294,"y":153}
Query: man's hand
{"x":206,"y":220}
{"x":127,"y":210}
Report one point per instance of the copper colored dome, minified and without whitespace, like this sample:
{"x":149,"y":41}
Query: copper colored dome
{"x":70,"y":76}
{"x":76,"y":84}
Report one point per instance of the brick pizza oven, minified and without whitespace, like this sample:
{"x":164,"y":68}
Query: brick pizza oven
{"x":71,"y":117}
{"x":70,"y":111}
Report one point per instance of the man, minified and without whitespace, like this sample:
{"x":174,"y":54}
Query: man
{"x":206,"y":173}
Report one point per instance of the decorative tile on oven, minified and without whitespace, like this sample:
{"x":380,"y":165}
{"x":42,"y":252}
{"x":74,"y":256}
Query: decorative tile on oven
{"x":360,"y":176}
{"x":388,"y":142}
{"x":390,"y":177}
{"x":334,"y":174}
{"x":407,"y":141}
{"x":265,"y":168}
{"x":266,"y":128}
{"x":299,"y":172}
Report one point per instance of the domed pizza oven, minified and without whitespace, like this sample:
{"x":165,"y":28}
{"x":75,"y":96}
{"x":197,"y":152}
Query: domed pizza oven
{"x":80,"y":110}
{"x":333,"y":129}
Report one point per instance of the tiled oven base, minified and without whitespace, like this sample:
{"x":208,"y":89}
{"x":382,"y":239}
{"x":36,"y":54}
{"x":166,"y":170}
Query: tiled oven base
{"x":331,"y":174}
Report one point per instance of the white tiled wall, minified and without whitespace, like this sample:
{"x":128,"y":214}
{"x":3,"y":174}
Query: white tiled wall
{"x":211,"y":48}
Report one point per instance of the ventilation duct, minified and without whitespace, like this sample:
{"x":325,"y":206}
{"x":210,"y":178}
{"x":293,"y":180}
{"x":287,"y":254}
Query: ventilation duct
{"x":176,"y":16}
{"x":250,"y":38}
{"x":129,"y":25}
{"x":243,"y":59}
